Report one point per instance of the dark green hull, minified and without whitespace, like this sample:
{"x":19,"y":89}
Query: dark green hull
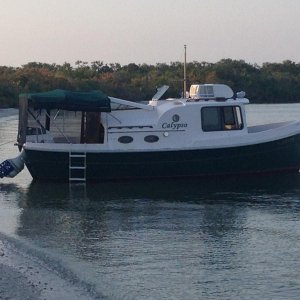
{"x":281,"y":155}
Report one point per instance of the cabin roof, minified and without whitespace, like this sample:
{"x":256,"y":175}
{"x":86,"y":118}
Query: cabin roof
{"x":67,"y":100}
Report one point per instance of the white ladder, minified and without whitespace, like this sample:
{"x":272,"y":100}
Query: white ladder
{"x":77,"y":167}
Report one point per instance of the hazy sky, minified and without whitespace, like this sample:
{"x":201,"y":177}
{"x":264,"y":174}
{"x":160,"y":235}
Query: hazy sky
{"x":148,"y":31}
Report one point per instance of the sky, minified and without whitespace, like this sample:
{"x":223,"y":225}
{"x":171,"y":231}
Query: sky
{"x":148,"y":31}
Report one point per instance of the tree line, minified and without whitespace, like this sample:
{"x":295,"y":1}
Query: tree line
{"x":268,"y":83}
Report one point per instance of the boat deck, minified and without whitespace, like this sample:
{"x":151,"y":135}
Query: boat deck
{"x":264,"y":127}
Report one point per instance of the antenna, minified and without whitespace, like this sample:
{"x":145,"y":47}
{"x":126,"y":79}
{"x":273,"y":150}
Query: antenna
{"x":184,"y":74}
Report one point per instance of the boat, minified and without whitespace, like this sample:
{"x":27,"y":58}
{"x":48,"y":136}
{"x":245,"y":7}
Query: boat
{"x":89,"y":136}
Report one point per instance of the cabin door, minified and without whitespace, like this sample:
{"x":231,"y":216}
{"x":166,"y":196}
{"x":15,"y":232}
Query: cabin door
{"x":92,"y":131}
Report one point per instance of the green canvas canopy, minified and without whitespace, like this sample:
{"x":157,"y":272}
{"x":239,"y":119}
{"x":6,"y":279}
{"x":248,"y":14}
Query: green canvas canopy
{"x":67,"y":100}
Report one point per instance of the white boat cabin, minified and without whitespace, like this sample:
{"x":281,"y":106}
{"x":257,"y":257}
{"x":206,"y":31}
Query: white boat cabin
{"x":209,"y":113}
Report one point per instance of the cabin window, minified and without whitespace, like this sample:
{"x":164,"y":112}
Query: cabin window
{"x":211,"y":119}
{"x":221,"y":118}
{"x":151,"y":138}
{"x":125,"y":139}
{"x":35,"y":131}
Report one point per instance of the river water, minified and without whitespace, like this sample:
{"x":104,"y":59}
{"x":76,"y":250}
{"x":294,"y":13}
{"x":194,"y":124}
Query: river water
{"x":183,"y":239}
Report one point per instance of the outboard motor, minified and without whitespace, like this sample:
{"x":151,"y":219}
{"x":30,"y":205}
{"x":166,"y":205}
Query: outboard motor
{"x":12,"y":167}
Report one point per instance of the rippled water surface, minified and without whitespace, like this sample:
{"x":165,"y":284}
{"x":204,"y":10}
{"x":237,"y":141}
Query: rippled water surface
{"x":230,"y":238}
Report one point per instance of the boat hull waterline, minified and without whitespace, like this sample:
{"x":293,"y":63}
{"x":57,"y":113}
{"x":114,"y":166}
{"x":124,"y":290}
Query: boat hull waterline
{"x":281,"y":155}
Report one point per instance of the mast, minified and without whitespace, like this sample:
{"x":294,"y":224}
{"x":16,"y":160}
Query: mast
{"x":184,"y":74}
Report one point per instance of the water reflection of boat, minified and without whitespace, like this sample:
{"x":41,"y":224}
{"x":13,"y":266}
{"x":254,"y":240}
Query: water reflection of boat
{"x":64,"y":195}
{"x":84,"y":219}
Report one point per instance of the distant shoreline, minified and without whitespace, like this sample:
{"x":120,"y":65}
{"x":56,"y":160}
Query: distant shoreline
{"x":269,"y":83}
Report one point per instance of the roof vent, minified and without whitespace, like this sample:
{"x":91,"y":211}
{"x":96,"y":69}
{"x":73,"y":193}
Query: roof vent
{"x":210,"y":91}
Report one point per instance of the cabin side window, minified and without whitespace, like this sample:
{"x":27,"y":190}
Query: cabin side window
{"x":221,"y":118}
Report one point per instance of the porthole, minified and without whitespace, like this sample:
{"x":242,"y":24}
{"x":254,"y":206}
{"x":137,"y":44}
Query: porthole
{"x":151,"y":138}
{"x":125,"y":139}
{"x":175,"y":118}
